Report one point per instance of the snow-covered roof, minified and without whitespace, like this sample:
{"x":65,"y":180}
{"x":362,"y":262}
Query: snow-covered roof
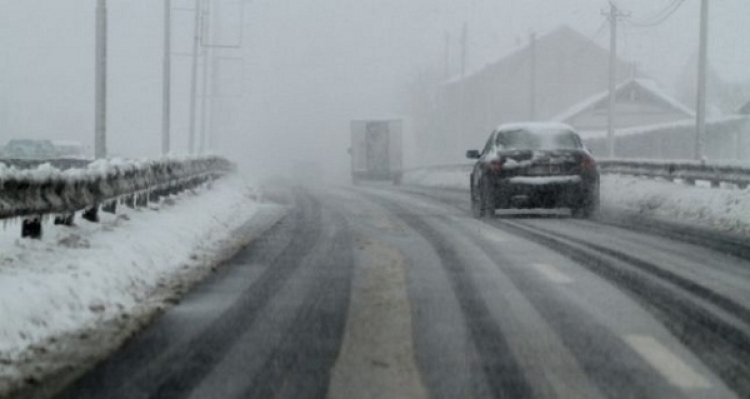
{"x":560,"y":30}
{"x":654,"y":89}
{"x":644,"y":84}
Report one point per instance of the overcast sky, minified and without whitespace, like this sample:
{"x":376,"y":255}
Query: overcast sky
{"x":308,"y":66}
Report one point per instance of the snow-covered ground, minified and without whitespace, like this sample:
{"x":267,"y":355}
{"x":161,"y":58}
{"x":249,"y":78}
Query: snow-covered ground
{"x":725,"y":209}
{"x":122,"y":270}
{"x":450,"y":178}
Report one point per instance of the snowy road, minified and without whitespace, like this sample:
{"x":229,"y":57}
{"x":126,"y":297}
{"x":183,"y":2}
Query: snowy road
{"x":380,"y":293}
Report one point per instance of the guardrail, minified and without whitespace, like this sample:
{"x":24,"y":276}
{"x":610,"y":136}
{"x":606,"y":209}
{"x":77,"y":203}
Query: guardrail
{"x":61,"y":163}
{"x":687,"y":171}
{"x":33,"y":194}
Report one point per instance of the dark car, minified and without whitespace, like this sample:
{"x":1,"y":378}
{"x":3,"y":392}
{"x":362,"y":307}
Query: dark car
{"x":534,"y":165}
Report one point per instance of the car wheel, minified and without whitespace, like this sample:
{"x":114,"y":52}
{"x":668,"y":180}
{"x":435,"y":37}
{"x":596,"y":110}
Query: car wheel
{"x":487,"y":199}
{"x":589,"y":208}
{"x":476,"y":202}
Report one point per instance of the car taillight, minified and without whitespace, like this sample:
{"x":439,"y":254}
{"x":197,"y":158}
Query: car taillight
{"x":588,"y":163}
{"x":496,"y":165}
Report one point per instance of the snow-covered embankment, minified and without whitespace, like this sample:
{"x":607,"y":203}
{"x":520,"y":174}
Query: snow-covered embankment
{"x":117,"y":273}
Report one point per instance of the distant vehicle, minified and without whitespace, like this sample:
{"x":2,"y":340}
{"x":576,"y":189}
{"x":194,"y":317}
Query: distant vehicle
{"x":534,"y":165}
{"x":70,"y":149}
{"x":29,"y":149}
{"x":376,"y":152}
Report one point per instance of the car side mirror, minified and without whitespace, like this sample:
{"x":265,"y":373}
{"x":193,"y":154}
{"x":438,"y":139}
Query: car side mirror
{"x":473,"y":154}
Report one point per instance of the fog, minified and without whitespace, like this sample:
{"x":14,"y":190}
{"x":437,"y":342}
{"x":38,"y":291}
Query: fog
{"x":305,"y":68}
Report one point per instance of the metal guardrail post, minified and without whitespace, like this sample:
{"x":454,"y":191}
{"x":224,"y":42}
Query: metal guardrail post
{"x":65,"y":219}
{"x":91,"y":214}
{"x":110,"y":207}
{"x":129,"y":201}
{"x":32,"y":228}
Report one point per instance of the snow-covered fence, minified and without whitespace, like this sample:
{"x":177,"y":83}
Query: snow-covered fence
{"x":62,"y":164}
{"x":33,"y":194}
{"x":687,"y":171}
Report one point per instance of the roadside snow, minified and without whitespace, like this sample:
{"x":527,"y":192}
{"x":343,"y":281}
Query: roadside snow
{"x":77,"y":278}
{"x":725,"y":209}
{"x":450,"y":178}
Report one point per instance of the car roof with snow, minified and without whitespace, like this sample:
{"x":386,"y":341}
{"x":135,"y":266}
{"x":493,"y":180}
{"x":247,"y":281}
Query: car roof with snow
{"x":543,"y":128}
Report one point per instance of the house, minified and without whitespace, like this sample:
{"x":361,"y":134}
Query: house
{"x":535,"y":82}
{"x":658,"y":127}
{"x":638,"y":102}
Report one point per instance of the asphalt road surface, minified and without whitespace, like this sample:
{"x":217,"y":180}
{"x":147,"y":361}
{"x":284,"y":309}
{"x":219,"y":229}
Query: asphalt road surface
{"x":376,"y":292}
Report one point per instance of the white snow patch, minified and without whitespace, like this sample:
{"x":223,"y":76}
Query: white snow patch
{"x":456,"y":179}
{"x":76,"y":277}
{"x":725,"y":209}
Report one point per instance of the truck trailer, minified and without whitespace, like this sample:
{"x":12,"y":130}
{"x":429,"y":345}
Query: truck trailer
{"x":376,"y":153}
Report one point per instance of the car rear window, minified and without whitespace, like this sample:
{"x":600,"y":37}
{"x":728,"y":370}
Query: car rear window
{"x":522,"y":139}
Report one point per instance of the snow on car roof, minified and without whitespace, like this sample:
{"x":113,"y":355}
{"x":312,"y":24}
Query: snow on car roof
{"x":537,"y":127}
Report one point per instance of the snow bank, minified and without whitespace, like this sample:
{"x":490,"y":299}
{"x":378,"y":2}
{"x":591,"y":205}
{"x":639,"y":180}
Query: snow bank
{"x":725,"y":209}
{"x":76,"y":277}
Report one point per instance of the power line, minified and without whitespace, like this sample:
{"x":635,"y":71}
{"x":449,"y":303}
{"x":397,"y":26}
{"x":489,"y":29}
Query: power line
{"x":659,"y":17}
{"x":661,"y":13}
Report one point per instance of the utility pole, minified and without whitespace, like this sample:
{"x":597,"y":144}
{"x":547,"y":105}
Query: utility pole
{"x":462,"y":83}
{"x":215,"y":82}
{"x":613,"y":15}
{"x":100,"y":82}
{"x":447,"y":61}
{"x":532,"y":79}
{"x":700,"y":109}
{"x":166,"y":79}
{"x":206,"y":64}
{"x":212,"y":60}
{"x":204,"y":101}
{"x":194,"y":75}
{"x":464,"y":48}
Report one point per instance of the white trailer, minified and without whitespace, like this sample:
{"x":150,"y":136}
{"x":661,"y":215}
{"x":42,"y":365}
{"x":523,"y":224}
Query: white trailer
{"x":376,"y":150}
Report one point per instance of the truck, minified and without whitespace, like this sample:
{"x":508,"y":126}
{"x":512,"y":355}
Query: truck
{"x":376,"y":153}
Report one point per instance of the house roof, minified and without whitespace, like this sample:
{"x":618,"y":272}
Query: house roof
{"x":561,"y":34}
{"x":645,"y":85}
